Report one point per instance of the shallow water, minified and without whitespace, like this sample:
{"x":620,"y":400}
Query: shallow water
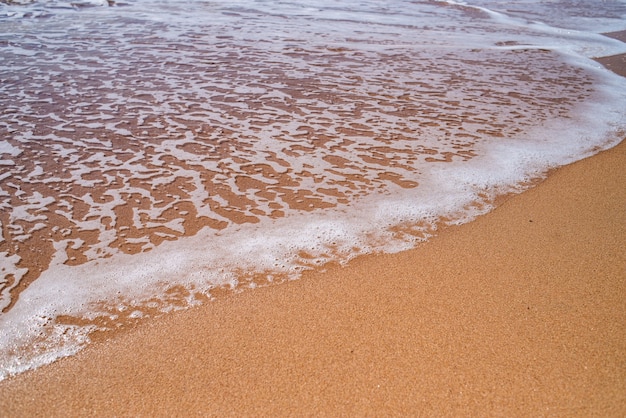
{"x":152,"y":152}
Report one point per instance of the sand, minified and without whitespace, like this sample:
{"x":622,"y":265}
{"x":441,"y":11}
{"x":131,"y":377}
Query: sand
{"x":519,"y":313}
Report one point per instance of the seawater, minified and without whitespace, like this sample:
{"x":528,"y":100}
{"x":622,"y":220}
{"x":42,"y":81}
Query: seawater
{"x":152,"y":152}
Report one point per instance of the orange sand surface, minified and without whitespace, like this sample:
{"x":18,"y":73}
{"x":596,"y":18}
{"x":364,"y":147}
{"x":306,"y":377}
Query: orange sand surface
{"x":519,"y":313}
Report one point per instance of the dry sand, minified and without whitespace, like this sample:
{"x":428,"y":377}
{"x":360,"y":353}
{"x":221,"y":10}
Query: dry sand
{"x":519,"y":313}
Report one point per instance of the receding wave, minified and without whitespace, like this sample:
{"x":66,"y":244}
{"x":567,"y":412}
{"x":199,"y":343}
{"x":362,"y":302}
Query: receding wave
{"x":148,"y":159}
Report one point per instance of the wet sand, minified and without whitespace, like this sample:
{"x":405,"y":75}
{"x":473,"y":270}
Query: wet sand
{"x":519,"y":313}
{"x":615,"y":63}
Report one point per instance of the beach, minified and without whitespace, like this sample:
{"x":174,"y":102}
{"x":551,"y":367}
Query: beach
{"x":332,"y":221}
{"x":518,"y":313}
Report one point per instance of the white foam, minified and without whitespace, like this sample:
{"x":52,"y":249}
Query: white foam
{"x":7,"y":148}
{"x":11,"y":275}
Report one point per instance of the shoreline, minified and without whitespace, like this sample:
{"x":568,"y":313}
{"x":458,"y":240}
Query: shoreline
{"x":519,"y":312}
